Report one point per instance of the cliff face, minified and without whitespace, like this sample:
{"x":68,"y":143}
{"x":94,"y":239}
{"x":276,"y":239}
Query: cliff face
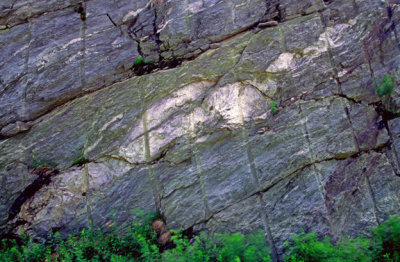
{"x":190,"y":131}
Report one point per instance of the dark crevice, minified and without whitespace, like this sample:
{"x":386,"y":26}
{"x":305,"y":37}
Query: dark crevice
{"x":132,"y":33}
{"x":346,"y":109}
{"x":348,"y":98}
{"x":80,"y":9}
{"x":272,"y":12}
{"x":386,"y":116}
{"x":389,"y":12}
{"x":166,"y":196}
{"x":173,"y":62}
{"x":156,"y":35}
{"x":45,"y":175}
{"x":368,"y":57}
{"x":189,"y":233}
{"x":379,"y":149}
{"x":112,"y":21}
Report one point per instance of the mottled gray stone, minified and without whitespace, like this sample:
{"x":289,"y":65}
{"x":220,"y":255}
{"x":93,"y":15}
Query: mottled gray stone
{"x":279,"y":151}
{"x":244,"y":216}
{"x":368,"y":126}
{"x":227,"y":174}
{"x":116,"y":191}
{"x":296,"y":203}
{"x":184,"y":207}
{"x":14,"y":179}
{"x":354,"y":188}
{"x":15,"y":128}
{"x":59,"y":206}
{"x":385,"y":186}
{"x":292,"y":8}
{"x":394,"y":152}
{"x":328,"y":128}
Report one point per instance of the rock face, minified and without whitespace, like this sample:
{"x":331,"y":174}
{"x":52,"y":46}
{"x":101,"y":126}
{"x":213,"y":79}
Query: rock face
{"x":191,"y":131}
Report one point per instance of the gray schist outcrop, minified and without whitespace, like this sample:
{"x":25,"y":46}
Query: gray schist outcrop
{"x":189,"y":131}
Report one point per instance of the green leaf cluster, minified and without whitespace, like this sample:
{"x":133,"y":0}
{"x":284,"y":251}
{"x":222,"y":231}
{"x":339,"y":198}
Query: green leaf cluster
{"x":386,"y":240}
{"x":273,"y":107}
{"x":382,"y":246}
{"x":306,"y":247}
{"x":221,"y":247}
{"x":385,"y":88}
{"x":139,"y":243}
{"x":138,"y":61}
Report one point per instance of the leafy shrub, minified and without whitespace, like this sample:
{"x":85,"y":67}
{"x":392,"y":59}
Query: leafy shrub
{"x":27,"y":250}
{"x":384,"y":90}
{"x":307,"y":248}
{"x":384,"y":245}
{"x":139,"y":243}
{"x":222,"y":248}
{"x":386,"y":240}
{"x":386,"y":86}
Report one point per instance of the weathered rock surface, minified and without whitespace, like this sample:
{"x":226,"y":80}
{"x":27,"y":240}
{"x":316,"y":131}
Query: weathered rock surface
{"x":194,"y":137}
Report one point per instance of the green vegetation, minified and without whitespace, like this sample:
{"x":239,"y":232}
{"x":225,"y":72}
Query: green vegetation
{"x":384,"y":90}
{"x":80,"y":161}
{"x":140,"y":66}
{"x":386,"y":240}
{"x":140,"y":243}
{"x":307,"y":247}
{"x":222,"y":247}
{"x":383,"y":246}
{"x":273,"y":107}
{"x":139,"y":61}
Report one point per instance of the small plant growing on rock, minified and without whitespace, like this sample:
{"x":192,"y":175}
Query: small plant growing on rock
{"x":80,"y":161}
{"x":139,"y":61}
{"x":140,"y":66}
{"x":384,"y":90}
{"x":273,"y":107}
